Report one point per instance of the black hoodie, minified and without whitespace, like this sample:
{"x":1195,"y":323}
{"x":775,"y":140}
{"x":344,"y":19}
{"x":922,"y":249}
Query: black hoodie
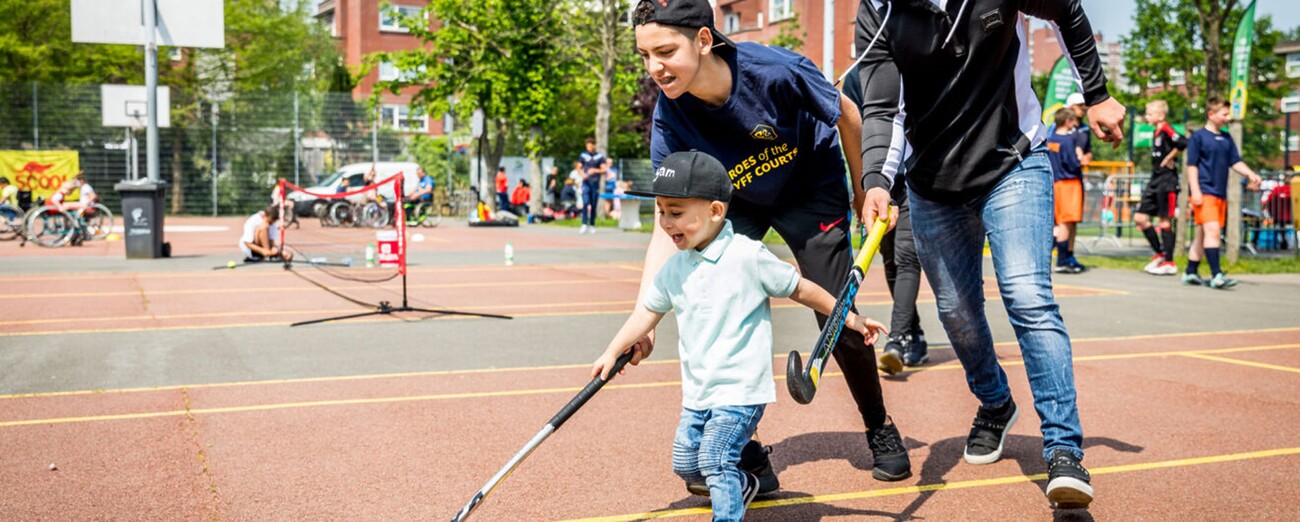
{"x":955,"y":83}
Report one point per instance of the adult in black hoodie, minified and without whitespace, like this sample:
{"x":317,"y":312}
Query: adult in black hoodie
{"x":948,"y":82}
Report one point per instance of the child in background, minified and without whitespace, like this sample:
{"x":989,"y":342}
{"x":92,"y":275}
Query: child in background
{"x":1066,"y":156}
{"x":1210,"y":154}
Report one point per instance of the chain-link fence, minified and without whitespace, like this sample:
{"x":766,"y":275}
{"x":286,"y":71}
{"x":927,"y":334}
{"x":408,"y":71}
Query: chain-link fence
{"x":1111,"y":200}
{"x":220,"y":157}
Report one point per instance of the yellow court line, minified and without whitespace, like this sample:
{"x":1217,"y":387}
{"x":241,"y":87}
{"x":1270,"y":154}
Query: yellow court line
{"x":953,"y":366}
{"x":280,"y":273}
{"x":306,"y":288}
{"x":476,"y":395}
{"x":1241,"y":362}
{"x":294,"y":312}
{"x":964,"y":484}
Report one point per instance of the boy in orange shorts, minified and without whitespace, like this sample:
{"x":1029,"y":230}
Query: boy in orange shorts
{"x":1065,"y":154}
{"x":1210,"y":153}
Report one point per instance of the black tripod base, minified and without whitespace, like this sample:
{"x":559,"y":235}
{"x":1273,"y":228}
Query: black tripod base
{"x":385,"y":308}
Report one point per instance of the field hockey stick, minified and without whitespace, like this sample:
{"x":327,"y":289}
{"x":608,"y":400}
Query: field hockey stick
{"x":802,"y":381}
{"x":558,"y":420}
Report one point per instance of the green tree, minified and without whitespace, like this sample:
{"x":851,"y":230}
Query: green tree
{"x":36,"y":46}
{"x":1169,"y":38}
{"x":791,"y":35}
{"x":500,"y":56}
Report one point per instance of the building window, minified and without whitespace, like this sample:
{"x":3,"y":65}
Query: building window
{"x":730,"y":23}
{"x":389,"y":16}
{"x":328,"y":20}
{"x":1177,"y":77}
{"x":402,"y":117}
{"x":387,"y":72}
{"x":1291,"y":103}
{"x":782,"y":9}
{"x":1293,"y":65}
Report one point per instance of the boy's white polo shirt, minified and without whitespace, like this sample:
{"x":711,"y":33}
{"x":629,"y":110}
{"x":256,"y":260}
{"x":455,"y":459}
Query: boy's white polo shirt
{"x":724,"y":318}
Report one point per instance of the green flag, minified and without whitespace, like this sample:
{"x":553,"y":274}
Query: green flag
{"x":1241,"y":45}
{"x":1059,"y":87}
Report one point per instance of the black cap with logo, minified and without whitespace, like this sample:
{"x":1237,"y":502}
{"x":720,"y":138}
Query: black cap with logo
{"x":691,"y":174}
{"x":684,"y":13}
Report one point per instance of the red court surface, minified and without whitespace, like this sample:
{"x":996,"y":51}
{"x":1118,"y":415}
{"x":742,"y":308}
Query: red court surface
{"x":1199,"y":426}
{"x":417,"y":446}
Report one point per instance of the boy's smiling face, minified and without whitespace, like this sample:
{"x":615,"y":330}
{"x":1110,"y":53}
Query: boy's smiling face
{"x":690,"y":222}
{"x":671,"y":58}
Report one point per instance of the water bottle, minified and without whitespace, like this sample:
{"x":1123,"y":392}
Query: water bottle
{"x":370,"y":255}
{"x":510,"y":254}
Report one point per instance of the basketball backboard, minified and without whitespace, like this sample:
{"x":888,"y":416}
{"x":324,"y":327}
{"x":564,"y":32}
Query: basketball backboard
{"x":128,"y":106}
{"x":181,"y":23}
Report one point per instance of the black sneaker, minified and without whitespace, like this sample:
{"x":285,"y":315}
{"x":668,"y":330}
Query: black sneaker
{"x":753,"y":460}
{"x":917,"y":351}
{"x":891,"y":358}
{"x":889,"y":456}
{"x":749,"y":490}
{"x":1068,"y":483}
{"x":989,"y":432}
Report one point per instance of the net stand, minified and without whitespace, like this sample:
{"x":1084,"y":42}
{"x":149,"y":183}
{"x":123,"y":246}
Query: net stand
{"x":384,"y":307}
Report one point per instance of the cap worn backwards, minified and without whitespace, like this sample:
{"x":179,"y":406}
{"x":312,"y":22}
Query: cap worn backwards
{"x":691,"y":174}
{"x":682,"y":13}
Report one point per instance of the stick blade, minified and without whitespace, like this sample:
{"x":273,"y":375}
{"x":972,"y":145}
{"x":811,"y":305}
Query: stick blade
{"x":800,"y":388}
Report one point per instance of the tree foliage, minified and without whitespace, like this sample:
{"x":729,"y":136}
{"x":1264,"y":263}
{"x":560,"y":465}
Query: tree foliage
{"x":1169,"y":37}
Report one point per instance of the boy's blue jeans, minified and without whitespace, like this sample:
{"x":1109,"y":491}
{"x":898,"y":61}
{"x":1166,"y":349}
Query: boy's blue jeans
{"x":707,"y":449}
{"x":1016,"y":215}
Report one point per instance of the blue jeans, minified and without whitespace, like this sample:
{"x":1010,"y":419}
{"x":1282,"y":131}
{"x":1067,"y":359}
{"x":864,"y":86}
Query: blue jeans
{"x":707,"y":449}
{"x":590,"y":198}
{"x":1016,"y":215}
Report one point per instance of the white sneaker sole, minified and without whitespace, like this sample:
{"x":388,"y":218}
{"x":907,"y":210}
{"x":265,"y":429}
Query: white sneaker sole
{"x":997,"y":454}
{"x":1069,"y":493}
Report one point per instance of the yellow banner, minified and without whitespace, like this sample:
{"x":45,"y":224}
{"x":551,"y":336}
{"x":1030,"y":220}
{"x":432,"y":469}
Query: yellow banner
{"x":40,"y":171}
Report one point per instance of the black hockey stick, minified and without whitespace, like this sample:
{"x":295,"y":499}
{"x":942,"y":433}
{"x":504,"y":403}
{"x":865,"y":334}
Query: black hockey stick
{"x":802,"y":381}
{"x":567,"y":411}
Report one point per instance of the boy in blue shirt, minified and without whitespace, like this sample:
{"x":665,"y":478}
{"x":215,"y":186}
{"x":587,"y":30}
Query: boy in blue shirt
{"x":719,"y":283}
{"x":1209,"y":156}
{"x":1066,"y":156}
{"x":784,"y":134}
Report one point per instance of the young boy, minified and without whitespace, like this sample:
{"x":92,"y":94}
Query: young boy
{"x":1066,"y":156}
{"x":784,"y":134}
{"x":258,"y":241}
{"x":1210,"y":154}
{"x":1160,"y":196}
{"x":719,"y":283}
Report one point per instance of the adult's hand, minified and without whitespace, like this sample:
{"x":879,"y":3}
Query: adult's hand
{"x":876,"y":204}
{"x":1107,"y":120}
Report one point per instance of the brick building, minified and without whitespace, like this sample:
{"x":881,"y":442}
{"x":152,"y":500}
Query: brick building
{"x":763,"y":20}
{"x":1291,"y":103}
{"x":1045,"y":50}
{"x":362,"y":27}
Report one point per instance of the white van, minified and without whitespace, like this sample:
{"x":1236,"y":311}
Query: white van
{"x":355,"y":173}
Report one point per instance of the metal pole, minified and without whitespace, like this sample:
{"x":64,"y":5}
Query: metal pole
{"x":36,"y":113}
{"x":1286,"y":144}
{"x":214,"y":159}
{"x":1233,"y":230}
{"x":297,"y":142}
{"x":828,"y":39}
{"x":374,"y":138}
{"x":151,"y":85}
{"x":1132,"y":128}
{"x":127,"y":157}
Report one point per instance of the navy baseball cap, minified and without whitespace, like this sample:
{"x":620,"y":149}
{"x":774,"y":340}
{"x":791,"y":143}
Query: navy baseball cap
{"x":684,"y":13}
{"x":691,"y":174}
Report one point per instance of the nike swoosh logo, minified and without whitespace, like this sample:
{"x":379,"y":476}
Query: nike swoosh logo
{"x":826,"y":228}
